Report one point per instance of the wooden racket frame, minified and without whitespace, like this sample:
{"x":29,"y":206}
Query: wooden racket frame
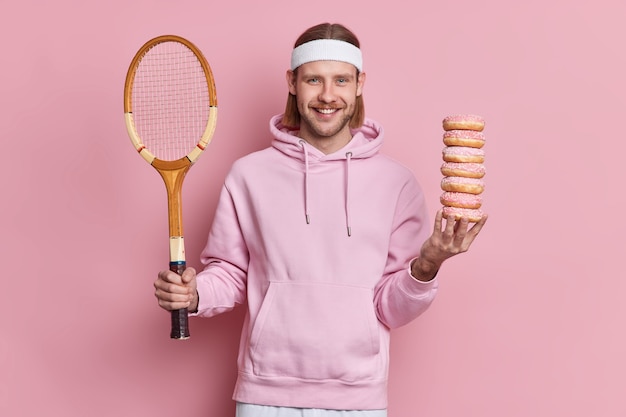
{"x":172,"y":172}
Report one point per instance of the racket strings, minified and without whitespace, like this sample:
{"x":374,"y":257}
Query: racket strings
{"x":170,"y":100}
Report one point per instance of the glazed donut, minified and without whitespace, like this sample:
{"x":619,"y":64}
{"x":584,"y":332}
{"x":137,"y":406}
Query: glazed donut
{"x":470,"y":138}
{"x":473,"y":215}
{"x":461,"y":200}
{"x":463,"y":185}
{"x":463,"y":169}
{"x":463,"y":154}
{"x":464,"y":122}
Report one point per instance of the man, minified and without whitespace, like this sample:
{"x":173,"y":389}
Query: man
{"x":326,"y":241}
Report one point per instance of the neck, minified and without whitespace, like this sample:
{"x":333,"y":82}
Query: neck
{"x":327,"y":144}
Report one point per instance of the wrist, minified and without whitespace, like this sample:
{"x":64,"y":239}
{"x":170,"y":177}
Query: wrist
{"x":424,"y":270}
{"x":193,"y":304}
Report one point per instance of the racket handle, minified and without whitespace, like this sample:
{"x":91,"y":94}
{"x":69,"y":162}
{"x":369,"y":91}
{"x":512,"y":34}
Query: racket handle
{"x":180,"y":325}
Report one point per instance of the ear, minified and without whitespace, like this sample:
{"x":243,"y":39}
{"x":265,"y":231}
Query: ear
{"x":291,"y":81}
{"x":360,"y":84}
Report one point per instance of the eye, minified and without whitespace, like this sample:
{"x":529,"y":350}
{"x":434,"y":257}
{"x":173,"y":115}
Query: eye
{"x":313,"y":80}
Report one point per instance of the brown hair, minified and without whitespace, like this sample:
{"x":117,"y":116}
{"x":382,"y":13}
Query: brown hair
{"x":336,"y":31}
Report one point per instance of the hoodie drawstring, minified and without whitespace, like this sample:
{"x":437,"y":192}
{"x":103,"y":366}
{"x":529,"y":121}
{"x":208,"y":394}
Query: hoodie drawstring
{"x":348,"y":159}
{"x":306,"y":182}
{"x":306,"y":187}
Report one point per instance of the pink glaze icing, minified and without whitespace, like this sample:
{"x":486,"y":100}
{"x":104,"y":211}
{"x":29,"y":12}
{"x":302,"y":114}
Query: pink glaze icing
{"x":465,"y":134}
{"x":463,"y":150}
{"x":461,"y":198}
{"x":472,"y":213}
{"x":465,"y":166}
{"x":463,"y":180}
{"x":463,"y":118}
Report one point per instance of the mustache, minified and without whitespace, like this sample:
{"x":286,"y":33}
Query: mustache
{"x":325,"y":106}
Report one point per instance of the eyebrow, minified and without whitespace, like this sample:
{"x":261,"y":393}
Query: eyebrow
{"x":346,"y":75}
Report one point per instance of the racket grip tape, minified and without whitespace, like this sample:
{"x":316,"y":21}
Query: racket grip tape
{"x":180,"y":322}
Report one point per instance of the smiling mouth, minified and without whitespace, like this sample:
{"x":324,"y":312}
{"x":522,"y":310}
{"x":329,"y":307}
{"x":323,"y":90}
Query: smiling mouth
{"x":326,"y":111}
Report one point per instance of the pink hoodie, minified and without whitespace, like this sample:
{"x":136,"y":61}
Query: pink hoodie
{"x":319,"y":247}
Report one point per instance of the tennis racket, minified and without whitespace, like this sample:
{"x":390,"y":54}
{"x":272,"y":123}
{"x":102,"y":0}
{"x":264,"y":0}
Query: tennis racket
{"x":170,"y":107}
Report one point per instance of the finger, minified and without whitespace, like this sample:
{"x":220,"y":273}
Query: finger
{"x":170,"y":276}
{"x":169,"y":291}
{"x":438,"y":218}
{"x":450,"y":223}
{"x":457,"y":225}
{"x":168,"y":296}
{"x":171,"y":299}
{"x":170,"y":282}
{"x":460,"y":230}
{"x":478,"y":226}
{"x":188,"y":275}
{"x":173,"y":305}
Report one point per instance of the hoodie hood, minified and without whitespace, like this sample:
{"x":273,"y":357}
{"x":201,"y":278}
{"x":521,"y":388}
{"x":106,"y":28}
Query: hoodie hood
{"x":366,"y":142}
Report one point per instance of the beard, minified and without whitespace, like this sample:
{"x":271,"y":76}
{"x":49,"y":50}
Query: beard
{"x":313,"y":124}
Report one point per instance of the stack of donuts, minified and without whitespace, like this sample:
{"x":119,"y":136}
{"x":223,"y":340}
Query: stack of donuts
{"x":463,"y":167}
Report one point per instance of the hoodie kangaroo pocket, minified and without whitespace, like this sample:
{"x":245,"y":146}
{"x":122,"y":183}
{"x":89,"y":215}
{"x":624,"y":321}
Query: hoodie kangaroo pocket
{"x":316,"y":331}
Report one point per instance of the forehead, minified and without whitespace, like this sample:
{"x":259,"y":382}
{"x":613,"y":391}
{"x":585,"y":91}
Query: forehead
{"x":327,"y":68}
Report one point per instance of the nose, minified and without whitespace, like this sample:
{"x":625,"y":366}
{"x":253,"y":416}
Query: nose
{"x":327,"y":93}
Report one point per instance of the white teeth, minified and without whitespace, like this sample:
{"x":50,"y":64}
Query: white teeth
{"x":326,"y":111}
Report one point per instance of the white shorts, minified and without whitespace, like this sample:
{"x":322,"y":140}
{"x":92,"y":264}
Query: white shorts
{"x":253,"y":410}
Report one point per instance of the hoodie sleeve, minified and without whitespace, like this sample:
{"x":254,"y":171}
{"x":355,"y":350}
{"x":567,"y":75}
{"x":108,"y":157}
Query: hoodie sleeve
{"x":222,"y":283}
{"x":398,"y":297}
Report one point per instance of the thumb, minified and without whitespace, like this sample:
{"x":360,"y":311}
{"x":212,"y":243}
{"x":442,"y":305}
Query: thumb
{"x":189,"y":274}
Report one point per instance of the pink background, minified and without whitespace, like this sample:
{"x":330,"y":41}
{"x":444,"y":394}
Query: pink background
{"x":528,"y":323}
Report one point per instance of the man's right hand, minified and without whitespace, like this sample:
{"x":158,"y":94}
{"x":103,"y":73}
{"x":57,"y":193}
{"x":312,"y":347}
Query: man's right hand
{"x":175,"y":292}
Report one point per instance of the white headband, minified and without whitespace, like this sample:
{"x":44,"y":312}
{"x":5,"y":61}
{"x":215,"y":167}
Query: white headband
{"x":326,"y":50}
